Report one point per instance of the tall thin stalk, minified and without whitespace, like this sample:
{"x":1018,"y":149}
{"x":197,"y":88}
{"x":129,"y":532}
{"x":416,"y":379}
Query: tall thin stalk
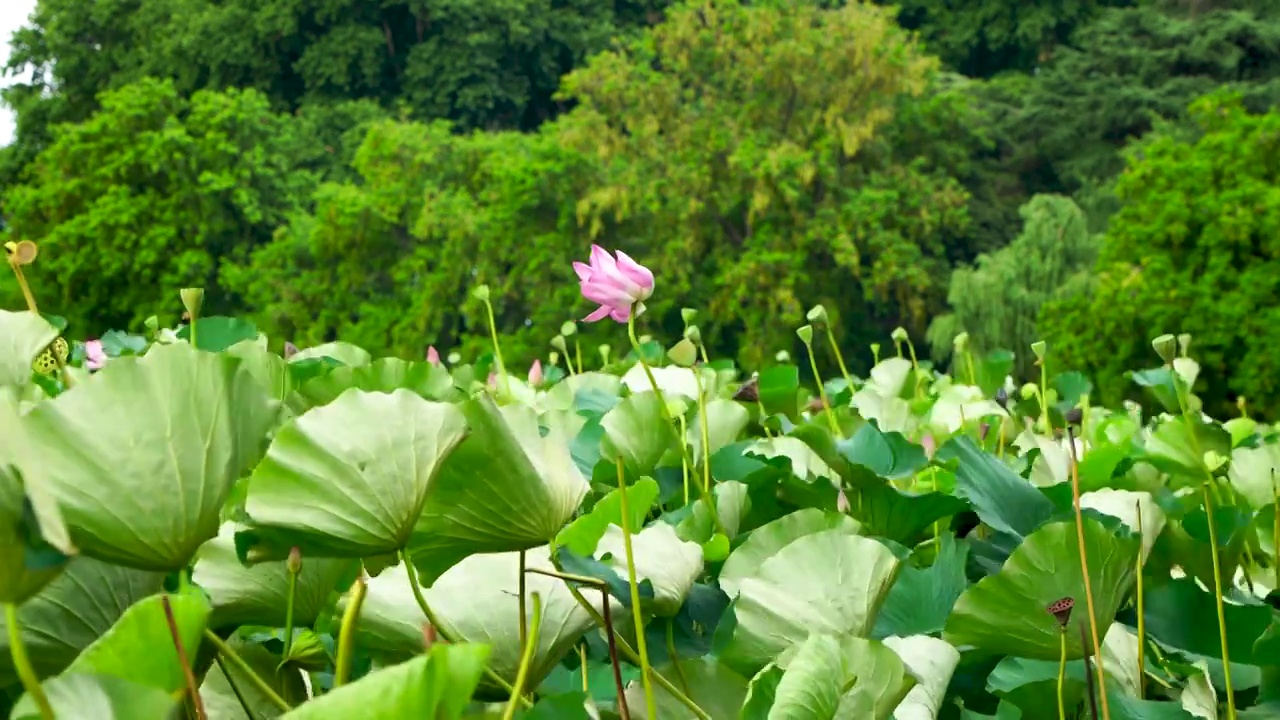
{"x":1084,"y":570}
{"x":1062,"y":674}
{"x":1142,"y":619}
{"x":636,"y":611}
{"x":347,"y":632}
{"x":262,"y":686}
{"x":526,"y":659}
{"x":521,"y":588}
{"x":22,"y":663}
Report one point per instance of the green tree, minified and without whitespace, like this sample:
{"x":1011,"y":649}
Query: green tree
{"x":998,"y":301}
{"x":1194,"y":249}
{"x":753,"y":153}
{"x":150,"y":195}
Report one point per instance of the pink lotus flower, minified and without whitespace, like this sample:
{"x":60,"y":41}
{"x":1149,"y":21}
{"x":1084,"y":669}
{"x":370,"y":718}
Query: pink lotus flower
{"x":616,"y":285}
{"x":535,"y":373}
{"x":433,"y":356}
{"x":94,"y":356}
{"x":930,"y":445}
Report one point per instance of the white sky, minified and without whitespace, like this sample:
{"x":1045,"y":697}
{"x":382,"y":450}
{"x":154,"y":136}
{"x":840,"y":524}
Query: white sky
{"x":13,"y":14}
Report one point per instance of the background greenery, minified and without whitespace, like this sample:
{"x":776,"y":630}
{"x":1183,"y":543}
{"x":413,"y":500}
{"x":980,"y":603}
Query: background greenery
{"x":1091,"y":172}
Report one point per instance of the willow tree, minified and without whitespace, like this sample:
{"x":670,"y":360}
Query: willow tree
{"x":998,"y":300}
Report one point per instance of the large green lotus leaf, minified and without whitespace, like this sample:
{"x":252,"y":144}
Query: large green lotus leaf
{"x":344,"y":352}
{"x":271,"y":370}
{"x":715,"y":688}
{"x":34,"y":540}
{"x":661,"y":557}
{"x":219,"y":695}
{"x":960,"y":404}
{"x":1001,"y":499}
{"x":1031,"y":685}
{"x":142,"y":455}
{"x":437,"y":685}
{"x":72,"y":612}
{"x":827,"y":676}
{"x":432,"y":382}
{"x":901,"y":516}
{"x":921,"y":599}
{"x":584,"y":533}
{"x":1123,"y":505}
{"x":23,"y":336}
{"x":726,"y":419}
{"x":258,"y":595}
{"x":931,"y":662}
{"x":887,"y":454}
{"x":1006,"y":612}
{"x":506,"y":488}
{"x":590,"y":393}
{"x":101,"y":697}
{"x":1252,"y":470}
{"x":767,"y":540}
{"x":672,"y":380}
{"x":827,"y":582}
{"x":635,"y":431}
{"x":733,"y":503}
{"x":1170,"y":445}
{"x":806,"y":464}
{"x":349,"y":479}
{"x":1176,"y":613}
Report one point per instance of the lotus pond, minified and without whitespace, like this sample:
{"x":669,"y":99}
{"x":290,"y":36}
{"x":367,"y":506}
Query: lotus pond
{"x":202,"y":527}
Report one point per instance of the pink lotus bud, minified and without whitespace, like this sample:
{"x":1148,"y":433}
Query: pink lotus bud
{"x":930,"y":445}
{"x":433,"y":357}
{"x":842,"y":502}
{"x":616,"y":285}
{"x":493,"y":381}
{"x":94,"y":356}
{"x":289,"y":349}
{"x":535,"y":373}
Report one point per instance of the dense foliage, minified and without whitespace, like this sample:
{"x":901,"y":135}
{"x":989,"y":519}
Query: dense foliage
{"x":349,"y":170}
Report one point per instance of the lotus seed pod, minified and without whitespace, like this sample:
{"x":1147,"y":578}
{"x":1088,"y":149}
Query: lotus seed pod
{"x":1039,"y":347}
{"x":152,"y":324}
{"x":683,"y":353}
{"x":481,"y":292}
{"x":1074,"y":416}
{"x":569,"y":328}
{"x":693,"y":334}
{"x":554,"y":358}
{"x":1029,"y":391}
{"x":805,"y":333}
{"x":1184,"y":344}
{"x":899,"y":334}
{"x":1166,"y":347}
{"x":22,"y":252}
{"x":816,"y":315}
{"x":782,"y":356}
{"x":1002,"y":398}
{"x":961,"y":342}
{"x":688,"y":315}
{"x":604,"y":351}
{"x":558,"y":343}
{"x":454,"y":358}
{"x":192,"y":300}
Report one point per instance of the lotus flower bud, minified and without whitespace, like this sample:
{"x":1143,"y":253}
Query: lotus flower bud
{"x":454,"y":358}
{"x":295,"y":561}
{"x":1029,"y":391}
{"x":480,"y":292}
{"x":782,"y":356}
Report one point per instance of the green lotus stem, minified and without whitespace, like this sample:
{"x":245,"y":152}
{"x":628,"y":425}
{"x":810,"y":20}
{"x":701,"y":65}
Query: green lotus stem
{"x":524,"y":624}
{"x":347,"y":632}
{"x":973,"y":372}
{"x":416,"y":588}
{"x":666,"y":414}
{"x":634,"y":658}
{"x":684,"y":467}
{"x":636,"y":611}
{"x":294,"y":569}
{"x":624,"y":712}
{"x":526,"y":658}
{"x":582,"y":663}
{"x":577,"y":353}
{"x":497,"y":347}
{"x":1142,"y":620}
{"x":1275,"y":527}
{"x":193,"y":689}
{"x":22,"y":663}
{"x":915,"y":368}
{"x":1062,"y":674}
{"x":1206,"y":489}
{"x":831,"y":338}
{"x":822,"y":391}
{"x":1084,"y":573}
{"x":675,"y":659}
{"x":570,"y":577}
{"x":1044,"y":406}
{"x":235,"y":689}
{"x":225,"y":651}
{"x":706,"y":441}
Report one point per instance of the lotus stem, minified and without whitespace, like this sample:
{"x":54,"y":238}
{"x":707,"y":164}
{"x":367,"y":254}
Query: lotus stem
{"x":347,"y":632}
{"x":22,"y":663}
{"x":1088,"y":678}
{"x":522,"y":585}
{"x":1142,"y":620}
{"x":1062,"y":673}
{"x":13,"y":252}
{"x":225,"y":651}
{"x":582,"y":664}
{"x":569,"y":577}
{"x":294,"y":568}
{"x":192,"y":688}
{"x":416,"y":588}
{"x":684,"y":467}
{"x":1275,"y":527}
{"x":1084,"y":571}
{"x":822,"y":391}
{"x":624,"y":712}
{"x":835,"y":349}
{"x":497,"y":346}
{"x":526,"y":656}
{"x":1207,"y":490}
{"x":634,"y":658}
{"x":235,"y":689}
{"x":1044,"y":406}
{"x":577,"y":353}
{"x":706,"y":441}
{"x":666,"y":414}
{"x":915,"y":368}
{"x":636,"y":611}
